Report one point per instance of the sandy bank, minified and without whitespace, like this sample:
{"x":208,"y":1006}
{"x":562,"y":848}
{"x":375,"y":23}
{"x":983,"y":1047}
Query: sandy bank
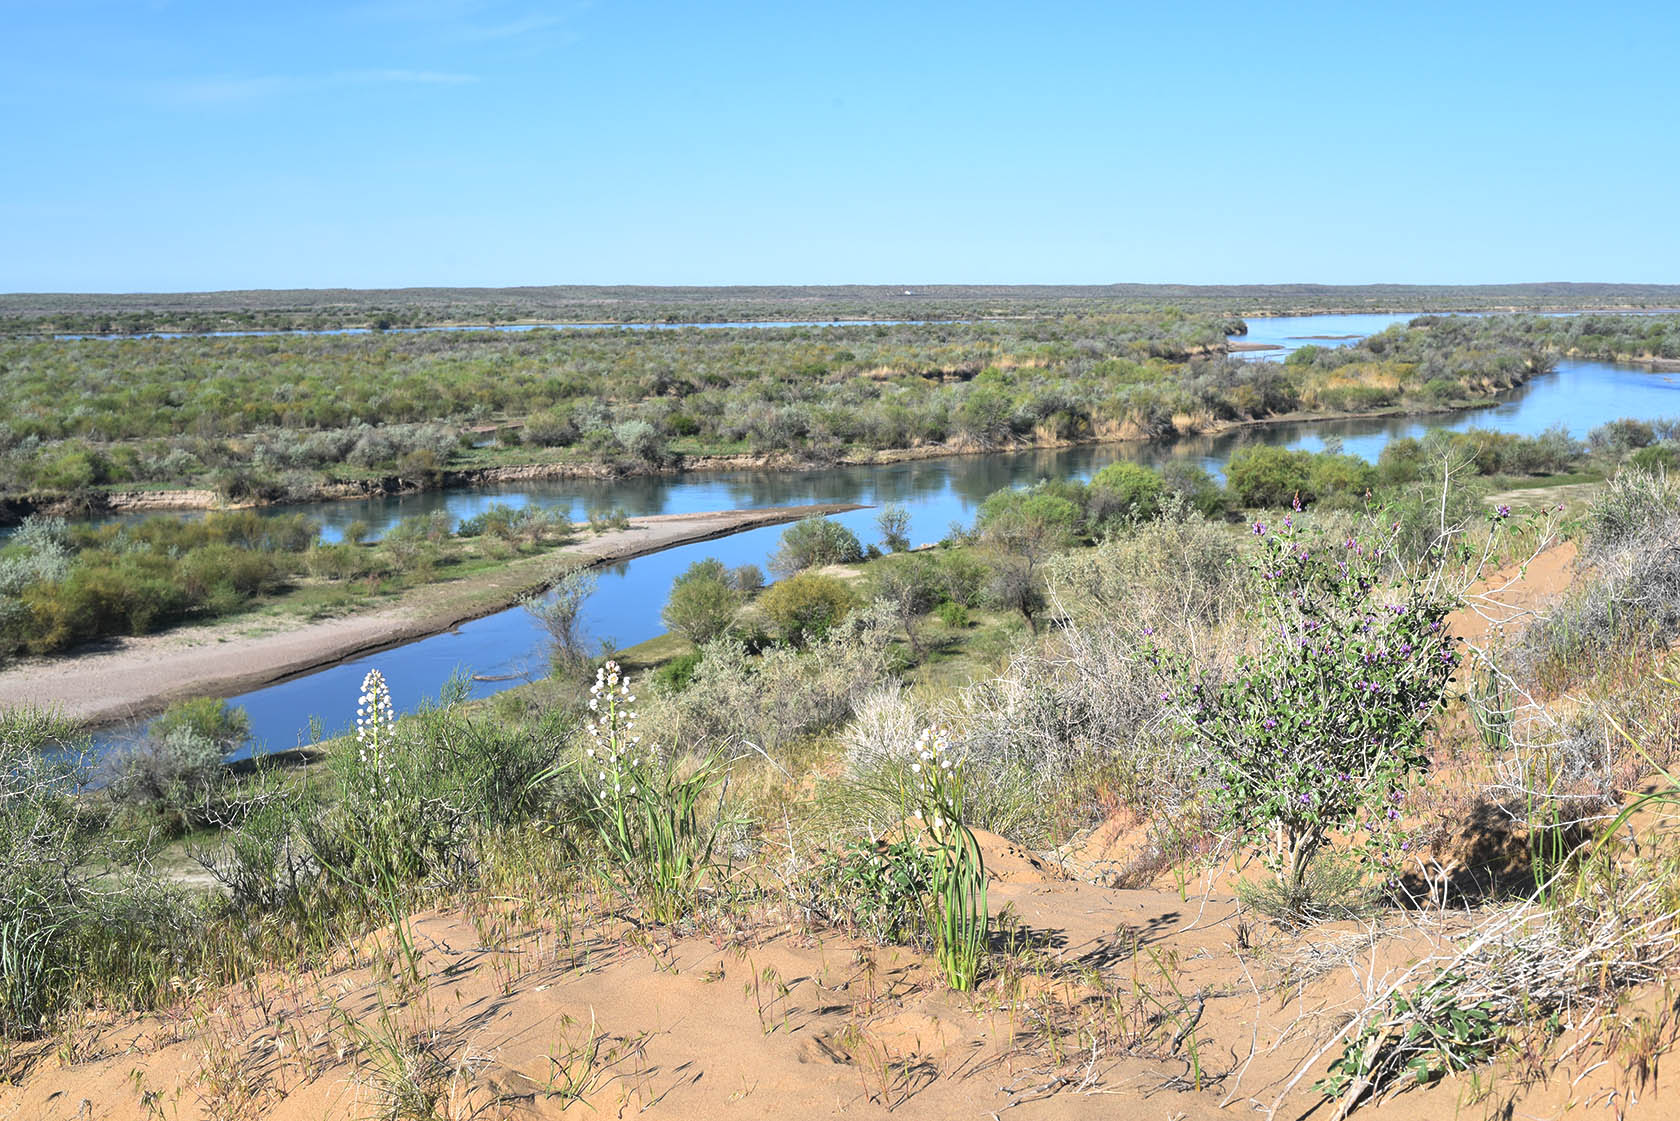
{"x":133,"y":677}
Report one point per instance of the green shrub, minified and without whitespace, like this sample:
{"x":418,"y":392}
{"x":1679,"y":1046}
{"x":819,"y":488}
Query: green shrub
{"x":772,"y":698}
{"x":551,"y":428}
{"x":674,"y":675}
{"x":1167,"y":575}
{"x":878,"y":890}
{"x":813,"y":543}
{"x":1033,"y":522}
{"x":1192,"y":486}
{"x":702,"y":603}
{"x":176,"y":774}
{"x":1021,"y":530}
{"x":71,"y":468}
{"x":80,"y":917}
{"x":266,"y":862}
{"x":914,"y":582}
{"x":176,"y":770}
{"x":953,"y":614}
{"x":1657,"y":457}
{"x":1356,"y":398}
{"x":497,"y":520}
{"x":748,"y":579}
{"x":206,"y":717}
{"x":962,"y":576}
{"x":894,"y":524}
{"x":337,"y":562}
{"x":1123,"y":493}
{"x":805,"y":606}
{"x":1341,"y":475}
{"x":414,"y":796}
{"x":1319,"y":730}
{"x":1429,"y":516}
{"x":1263,"y":475}
{"x":560,"y":613}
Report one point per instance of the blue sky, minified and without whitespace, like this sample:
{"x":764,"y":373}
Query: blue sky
{"x":156,"y":145}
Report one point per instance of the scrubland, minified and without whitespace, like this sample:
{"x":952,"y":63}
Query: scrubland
{"x":1144,"y":794}
{"x":298,"y":417}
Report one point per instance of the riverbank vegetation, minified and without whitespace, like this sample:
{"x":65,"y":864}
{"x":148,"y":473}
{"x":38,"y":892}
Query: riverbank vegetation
{"x":262,"y":419}
{"x":1318,"y":773}
{"x":64,"y":585}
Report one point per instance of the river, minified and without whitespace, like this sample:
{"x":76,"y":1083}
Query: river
{"x":1579,"y":395}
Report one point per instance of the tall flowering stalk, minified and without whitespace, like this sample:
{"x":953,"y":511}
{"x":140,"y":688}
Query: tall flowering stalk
{"x":375,"y":719}
{"x":643,"y":810}
{"x":960,"y":918}
{"x":613,"y":786}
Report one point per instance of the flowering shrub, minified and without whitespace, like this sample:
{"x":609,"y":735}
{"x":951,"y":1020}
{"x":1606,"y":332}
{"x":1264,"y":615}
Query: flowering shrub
{"x":960,"y":919}
{"x":1320,"y":728}
{"x":643,"y":810}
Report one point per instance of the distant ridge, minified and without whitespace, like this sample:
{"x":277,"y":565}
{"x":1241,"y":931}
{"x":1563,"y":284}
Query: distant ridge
{"x":317,"y":308}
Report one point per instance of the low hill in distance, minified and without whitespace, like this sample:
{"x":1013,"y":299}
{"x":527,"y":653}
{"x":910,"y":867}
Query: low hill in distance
{"x":330,"y":308}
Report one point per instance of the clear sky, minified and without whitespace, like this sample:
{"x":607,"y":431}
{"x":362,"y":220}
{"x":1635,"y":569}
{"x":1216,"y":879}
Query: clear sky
{"x":179,"y":144}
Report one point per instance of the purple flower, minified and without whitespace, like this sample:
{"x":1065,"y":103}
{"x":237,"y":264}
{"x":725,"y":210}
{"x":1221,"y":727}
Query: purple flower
{"x":1503,"y":511}
{"x":1259,"y":528}
{"x":1270,"y":722}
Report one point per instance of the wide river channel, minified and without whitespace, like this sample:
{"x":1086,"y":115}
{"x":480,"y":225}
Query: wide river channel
{"x":937,"y":492}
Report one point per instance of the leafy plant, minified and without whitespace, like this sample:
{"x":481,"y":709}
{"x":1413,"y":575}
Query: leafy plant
{"x":208,"y":717}
{"x":1319,"y":729}
{"x":960,"y":920}
{"x":894,"y":523}
{"x":646,"y":811}
{"x":952,"y":614}
{"x":1425,"y":1036}
{"x":805,"y":606}
{"x":560,"y":613}
{"x":702,"y":603}
{"x":813,"y":543}
{"x":881,"y":890}
{"x":81,"y":916}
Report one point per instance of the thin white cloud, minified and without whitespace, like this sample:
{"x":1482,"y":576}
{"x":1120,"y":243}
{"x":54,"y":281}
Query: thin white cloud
{"x":419,"y":77}
{"x":467,"y":20}
{"x":524,"y":25}
{"x":223,"y":90}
